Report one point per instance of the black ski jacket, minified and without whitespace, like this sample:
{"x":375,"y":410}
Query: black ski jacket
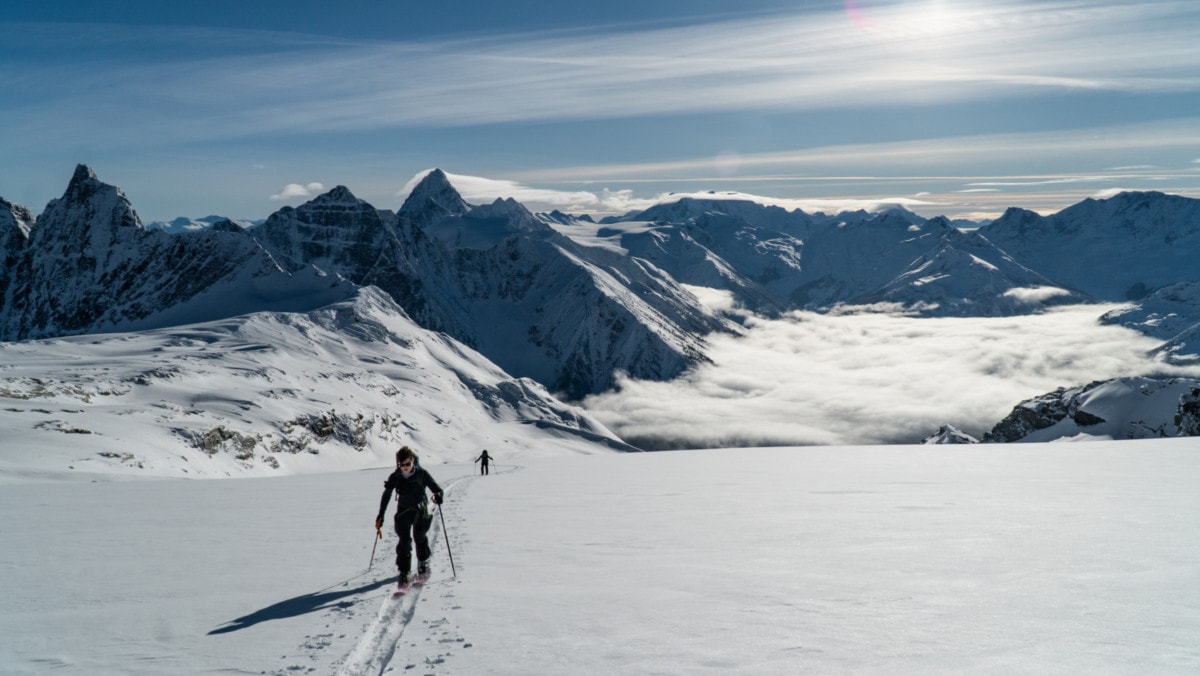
{"x":410,"y":490}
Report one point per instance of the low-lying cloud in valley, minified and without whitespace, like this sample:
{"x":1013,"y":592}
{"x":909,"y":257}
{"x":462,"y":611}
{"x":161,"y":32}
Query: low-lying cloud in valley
{"x":872,"y":378}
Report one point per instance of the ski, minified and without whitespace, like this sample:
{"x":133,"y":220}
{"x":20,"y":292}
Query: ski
{"x":403,"y":589}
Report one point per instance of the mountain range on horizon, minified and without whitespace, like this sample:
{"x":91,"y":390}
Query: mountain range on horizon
{"x":570,"y":302}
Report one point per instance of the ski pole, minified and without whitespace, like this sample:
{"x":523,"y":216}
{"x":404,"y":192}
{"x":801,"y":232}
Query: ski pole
{"x":446,"y":537}
{"x":379,"y":536}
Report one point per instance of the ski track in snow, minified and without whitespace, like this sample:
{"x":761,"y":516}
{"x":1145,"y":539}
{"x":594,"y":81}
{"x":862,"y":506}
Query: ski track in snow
{"x":379,"y":648}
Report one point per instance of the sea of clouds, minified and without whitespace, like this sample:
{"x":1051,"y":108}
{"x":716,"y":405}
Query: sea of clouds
{"x":872,"y":378}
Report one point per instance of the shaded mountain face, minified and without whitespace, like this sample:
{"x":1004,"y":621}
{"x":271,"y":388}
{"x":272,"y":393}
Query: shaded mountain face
{"x":14,"y":231}
{"x":334,"y":233}
{"x":503,"y":282}
{"x":966,"y":275}
{"x":1117,"y":249}
{"x":88,"y":265}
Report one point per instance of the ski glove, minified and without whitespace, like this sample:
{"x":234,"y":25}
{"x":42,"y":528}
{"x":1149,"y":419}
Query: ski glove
{"x":437,"y":498}
{"x":378,"y":522}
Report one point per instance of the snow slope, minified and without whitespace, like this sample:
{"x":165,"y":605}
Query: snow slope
{"x":268,"y":393}
{"x":1039,"y":558}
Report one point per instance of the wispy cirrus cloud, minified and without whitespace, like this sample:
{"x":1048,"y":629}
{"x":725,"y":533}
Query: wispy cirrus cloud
{"x":913,"y":52}
{"x":109,"y":93}
{"x":958,"y":153}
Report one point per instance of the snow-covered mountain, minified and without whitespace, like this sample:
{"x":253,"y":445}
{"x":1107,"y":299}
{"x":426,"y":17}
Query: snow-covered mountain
{"x":772,"y":259}
{"x":331,"y":389}
{"x":846,"y":260}
{"x":1164,"y":314}
{"x":966,"y":275}
{"x":1171,"y":313}
{"x":708,"y":252}
{"x":87,"y":264}
{"x":572,"y":303}
{"x":542,"y":305}
{"x":183,"y":224}
{"x":1123,"y":408}
{"x":502,"y":281}
{"x":949,"y":434}
{"x":1119,"y":248}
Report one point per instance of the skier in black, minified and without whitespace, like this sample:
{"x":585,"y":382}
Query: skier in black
{"x":413,"y":519}
{"x":483,"y":459}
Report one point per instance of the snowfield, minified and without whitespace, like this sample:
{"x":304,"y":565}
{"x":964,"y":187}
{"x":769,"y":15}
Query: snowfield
{"x":1034,"y":558}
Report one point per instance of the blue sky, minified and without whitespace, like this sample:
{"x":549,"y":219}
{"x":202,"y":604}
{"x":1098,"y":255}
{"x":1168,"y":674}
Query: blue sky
{"x":954,"y":107}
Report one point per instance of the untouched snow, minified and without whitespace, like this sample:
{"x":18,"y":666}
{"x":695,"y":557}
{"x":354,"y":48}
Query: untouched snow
{"x":1038,"y":558}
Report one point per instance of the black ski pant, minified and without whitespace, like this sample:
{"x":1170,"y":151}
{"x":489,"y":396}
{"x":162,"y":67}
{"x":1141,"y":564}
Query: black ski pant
{"x":483,"y":468}
{"x":412,"y":525}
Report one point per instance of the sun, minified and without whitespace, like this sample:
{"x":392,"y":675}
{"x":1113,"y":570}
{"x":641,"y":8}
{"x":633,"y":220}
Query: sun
{"x":936,"y":15}
{"x":918,"y":18}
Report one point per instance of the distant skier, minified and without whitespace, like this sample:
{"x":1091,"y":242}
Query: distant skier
{"x":413,"y":519}
{"x":483,"y":461}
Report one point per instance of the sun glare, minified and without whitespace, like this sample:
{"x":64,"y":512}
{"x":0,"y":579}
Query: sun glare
{"x":937,"y":16}
{"x":921,"y":18}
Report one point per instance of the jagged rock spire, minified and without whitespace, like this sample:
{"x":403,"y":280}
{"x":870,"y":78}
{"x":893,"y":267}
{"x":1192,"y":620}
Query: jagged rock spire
{"x":434,"y":196}
{"x":83,"y":184}
{"x":88,"y":214}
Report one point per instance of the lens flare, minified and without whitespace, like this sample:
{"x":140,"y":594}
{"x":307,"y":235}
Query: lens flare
{"x":856,"y":15}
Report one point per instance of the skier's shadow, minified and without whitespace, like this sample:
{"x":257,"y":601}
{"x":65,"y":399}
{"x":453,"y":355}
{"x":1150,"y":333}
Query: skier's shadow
{"x":300,"y":605}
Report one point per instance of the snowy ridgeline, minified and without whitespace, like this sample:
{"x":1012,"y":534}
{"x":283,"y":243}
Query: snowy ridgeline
{"x":1031,"y":559}
{"x":570,"y":302}
{"x":1122,"y":408}
{"x":271,"y":393}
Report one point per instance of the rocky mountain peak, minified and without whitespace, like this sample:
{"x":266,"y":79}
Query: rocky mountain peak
{"x":339,"y":195}
{"x":949,"y":434}
{"x":338,"y":208}
{"x":90,"y":214}
{"x":510,"y":209}
{"x":83,"y":174}
{"x":227,"y":225}
{"x":434,"y":197}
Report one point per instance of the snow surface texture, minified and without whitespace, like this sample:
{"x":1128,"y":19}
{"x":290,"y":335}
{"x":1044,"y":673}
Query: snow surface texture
{"x":1039,"y":558}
